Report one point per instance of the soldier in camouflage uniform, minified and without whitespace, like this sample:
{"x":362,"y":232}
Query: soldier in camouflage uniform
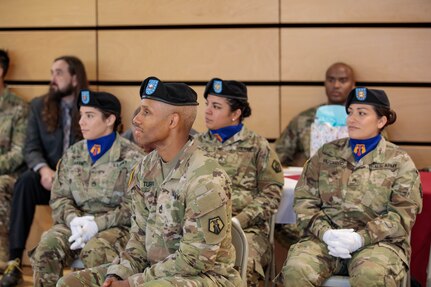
{"x":293,"y":145}
{"x":89,"y":198}
{"x":181,"y":222}
{"x":357,"y":201}
{"x":13,"y":124}
{"x":255,"y":171}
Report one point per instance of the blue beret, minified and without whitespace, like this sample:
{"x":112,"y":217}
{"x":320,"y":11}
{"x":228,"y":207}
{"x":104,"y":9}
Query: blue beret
{"x":176,"y":94}
{"x":226,"y":89}
{"x":368,"y":97}
{"x":101,"y":100}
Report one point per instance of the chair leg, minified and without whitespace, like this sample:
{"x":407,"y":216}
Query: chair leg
{"x":270,"y":269}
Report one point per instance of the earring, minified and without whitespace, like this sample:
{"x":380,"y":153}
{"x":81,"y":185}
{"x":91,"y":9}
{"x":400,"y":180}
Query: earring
{"x":233,"y":120}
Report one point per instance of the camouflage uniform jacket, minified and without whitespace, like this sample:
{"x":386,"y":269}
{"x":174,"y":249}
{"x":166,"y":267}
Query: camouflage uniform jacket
{"x":13,"y":125}
{"x":181,"y":223}
{"x":100,"y":189}
{"x":379,"y":196}
{"x":294,"y":141}
{"x":256,"y":174}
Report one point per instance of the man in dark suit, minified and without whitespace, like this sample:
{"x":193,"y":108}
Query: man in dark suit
{"x":52,"y":128}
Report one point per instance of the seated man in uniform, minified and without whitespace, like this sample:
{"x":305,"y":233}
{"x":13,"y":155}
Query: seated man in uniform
{"x":181,"y":206}
{"x":293,"y":145}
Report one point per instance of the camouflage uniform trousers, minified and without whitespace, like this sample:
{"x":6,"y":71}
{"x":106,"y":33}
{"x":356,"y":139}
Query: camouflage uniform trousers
{"x":96,"y":276}
{"x":309,"y":264}
{"x":259,"y":256}
{"x":53,"y":252}
{"x":6,"y":190}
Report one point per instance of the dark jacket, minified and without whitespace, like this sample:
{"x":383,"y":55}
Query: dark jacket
{"x":40,"y":145}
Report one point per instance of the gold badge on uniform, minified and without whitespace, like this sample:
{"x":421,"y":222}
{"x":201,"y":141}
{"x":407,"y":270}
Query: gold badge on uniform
{"x":215,"y":225}
{"x":359,"y":149}
{"x":276,"y":166}
{"x":96,"y":149}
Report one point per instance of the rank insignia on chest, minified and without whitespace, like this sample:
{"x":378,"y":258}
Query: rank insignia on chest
{"x":218,"y":137}
{"x":215,"y":225}
{"x":95,"y":150}
{"x":359,"y":149}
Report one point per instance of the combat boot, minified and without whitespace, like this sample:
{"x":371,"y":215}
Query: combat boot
{"x":12,"y":275}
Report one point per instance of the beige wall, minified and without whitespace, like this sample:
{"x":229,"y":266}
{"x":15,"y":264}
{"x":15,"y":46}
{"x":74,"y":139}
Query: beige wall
{"x":282,"y":48}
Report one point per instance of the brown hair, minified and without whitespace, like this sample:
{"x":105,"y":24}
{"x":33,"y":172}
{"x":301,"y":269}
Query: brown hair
{"x":241,"y":104}
{"x":391,"y":115}
{"x":118,"y":125}
{"x":51,"y":107}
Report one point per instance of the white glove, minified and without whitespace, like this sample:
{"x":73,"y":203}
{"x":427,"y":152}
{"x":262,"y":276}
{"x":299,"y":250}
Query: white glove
{"x":351,"y":241}
{"x":341,"y":242}
{"x":76,"y":226}
{"x":77,"y":244}
{"x":76,"y":238}
{"x":89,"y":230}
{"x":333,"y":234}
{"x":80,"y":221}
{"x":339,"y":252}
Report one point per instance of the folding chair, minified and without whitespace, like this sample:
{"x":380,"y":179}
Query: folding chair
{"x":270,"y":269}
{"x":337,"y":281}
{"x":239,"y":241}
{"x":77,"y":264}
{"x":343,"y":281}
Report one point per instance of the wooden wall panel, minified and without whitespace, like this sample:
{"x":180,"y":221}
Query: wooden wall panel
{"x":189,"y":55}
{"x":351,"y":11}
{"x":297,"y":99}
{"x":129,"y":98}
{"x":29,"y":92}
{"x":32,"y":52}
{"x":42,"y":222}
{"x":47,"y":13}
{"x":413,"y":106}
{"x":378,"y":54}
{"x":32,"y":91}
{"x":421,"y":155}
{"x":168,"y":12}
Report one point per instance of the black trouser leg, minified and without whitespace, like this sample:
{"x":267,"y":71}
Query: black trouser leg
{"x":28,"y":193}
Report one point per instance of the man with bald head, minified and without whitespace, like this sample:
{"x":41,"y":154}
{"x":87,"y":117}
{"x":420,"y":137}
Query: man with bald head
{"x":293,"y":146}
{"x":181,"y":204}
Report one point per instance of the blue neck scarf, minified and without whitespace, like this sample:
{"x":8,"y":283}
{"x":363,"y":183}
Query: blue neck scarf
{"x":361,"y":147}
{"x":225,"y":133}
{"x":98,"y":147}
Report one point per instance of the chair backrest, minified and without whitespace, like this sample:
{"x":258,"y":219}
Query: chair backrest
{"x":337,"y":281}
{"x":77,"y":264}
{"x":239,"y":241}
